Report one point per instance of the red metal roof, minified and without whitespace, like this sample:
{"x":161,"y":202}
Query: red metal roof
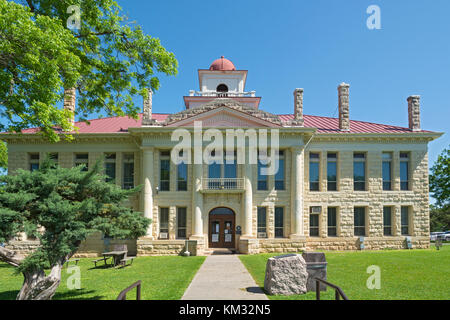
{"x":222,"y":64}
{"x":323,"y":125}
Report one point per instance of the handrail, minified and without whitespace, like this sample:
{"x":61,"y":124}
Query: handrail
{"x":338,"y":291}
{"x":123,"y":294}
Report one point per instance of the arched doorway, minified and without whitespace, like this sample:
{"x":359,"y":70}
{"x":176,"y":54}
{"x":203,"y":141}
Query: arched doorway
{"x":221,"y":228}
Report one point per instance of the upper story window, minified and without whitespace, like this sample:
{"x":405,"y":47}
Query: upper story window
{"x":110,"y":167}
{"x":359,"y":171}
{"x":82,"y":159}
{"x":404,"y":171}
{"x":222,"y":88}
{"x":332,"y":171}
{"x":387,"y":170}
{"x":262,"y":178}
{"x":164,"y":177}
{"x":128,"y":171}
{"x":314,"y":171}
{"x":280,"y":174}
{"x":182,"y":175}
{"x":34,"y":161}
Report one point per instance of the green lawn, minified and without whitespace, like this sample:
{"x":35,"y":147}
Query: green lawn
{"x":163,"y":278}
{"x":405,"y":274}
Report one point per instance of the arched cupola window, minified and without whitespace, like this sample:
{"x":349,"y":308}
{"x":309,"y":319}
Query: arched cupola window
{"x":222,"y":90}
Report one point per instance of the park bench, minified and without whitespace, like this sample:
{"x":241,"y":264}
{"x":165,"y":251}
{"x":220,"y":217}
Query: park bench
{"x":72,"y":260}
{"x":100,"y":259}
{"x":124,"y":261}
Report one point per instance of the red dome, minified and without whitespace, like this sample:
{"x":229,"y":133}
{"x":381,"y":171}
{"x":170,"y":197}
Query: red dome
{"x":222,"y":64}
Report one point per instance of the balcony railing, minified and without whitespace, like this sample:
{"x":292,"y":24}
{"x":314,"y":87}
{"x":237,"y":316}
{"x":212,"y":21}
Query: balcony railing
{"x":194,"y":93}
{"x":223,"y":184}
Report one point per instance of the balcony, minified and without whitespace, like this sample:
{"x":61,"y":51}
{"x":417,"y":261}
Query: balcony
{"x":194,"y":93}
{"x":230,"y":185}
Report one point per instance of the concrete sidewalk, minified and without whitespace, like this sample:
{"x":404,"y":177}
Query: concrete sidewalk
{"x":223,"y":277}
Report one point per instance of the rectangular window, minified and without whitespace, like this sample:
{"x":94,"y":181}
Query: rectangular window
{"x":405,"y":220}
{"x":314,"y":171}
{"x":360,"y":221}
{"x":279,"y":175}
{"x":34,"y":161}
{"x":110,"y":167}
{"x":164,"y":182}
{"x":279,"y":222}
{"x":181,"y":223}
{"x":387,"y":170}
{"x":313,"y":223}
{"x":404,"y":171}
{"x":182,"y":175}
{"x":262,"y":222}
{"x":163,"y":223}
{"x":359,"y":171}
{"x":332,"y":171}
{"x":387,"y":221}
{"x":128,"y":171}
{"x":82,"y":159}
{"x":332,"y":222}
{"x":262,"y":178}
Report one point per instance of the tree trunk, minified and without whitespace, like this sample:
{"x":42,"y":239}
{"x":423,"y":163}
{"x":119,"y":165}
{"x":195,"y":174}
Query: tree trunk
{"x":38,"y":286}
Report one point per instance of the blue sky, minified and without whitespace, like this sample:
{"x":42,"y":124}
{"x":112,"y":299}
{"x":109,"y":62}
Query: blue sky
{"x":314,"y":45}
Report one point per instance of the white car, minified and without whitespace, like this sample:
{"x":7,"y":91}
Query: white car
{"x":446,"y":236}
{"x":435,"y":235}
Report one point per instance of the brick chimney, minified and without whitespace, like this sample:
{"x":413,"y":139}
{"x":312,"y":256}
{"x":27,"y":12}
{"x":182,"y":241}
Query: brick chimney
{"x":70,"y":98}
{"x":414,"y":113}
{"x":298,"y":107}
{"x":344,"y":112}
{"x":147,"y":119}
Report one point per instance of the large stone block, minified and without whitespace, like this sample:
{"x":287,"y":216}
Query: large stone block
{"x":286,"y":275}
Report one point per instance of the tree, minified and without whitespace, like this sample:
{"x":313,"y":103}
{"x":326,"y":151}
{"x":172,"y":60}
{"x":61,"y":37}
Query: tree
{"x":440,"y":189}
{"x":109,"y":60}
{"x":60,"y":207}
{"x":440,"y":179}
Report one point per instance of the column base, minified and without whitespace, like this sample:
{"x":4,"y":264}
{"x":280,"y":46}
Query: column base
{"x":297,"y":237}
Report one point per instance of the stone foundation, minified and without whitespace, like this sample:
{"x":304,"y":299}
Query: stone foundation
{"x":149,"y":247}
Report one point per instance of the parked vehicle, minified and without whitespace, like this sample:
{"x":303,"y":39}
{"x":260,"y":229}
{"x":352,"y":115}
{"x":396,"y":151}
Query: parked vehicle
{"x":446,"y":236}
{"x":435,"y":235}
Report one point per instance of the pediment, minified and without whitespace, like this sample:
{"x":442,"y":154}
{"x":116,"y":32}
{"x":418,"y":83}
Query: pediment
{"x":224,"y":117}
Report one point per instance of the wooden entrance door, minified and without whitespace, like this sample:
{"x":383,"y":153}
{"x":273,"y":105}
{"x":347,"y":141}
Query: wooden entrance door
{"x":221,"y":228}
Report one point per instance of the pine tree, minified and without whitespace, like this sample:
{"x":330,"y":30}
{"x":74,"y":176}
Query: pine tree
{"x":60,"y":207}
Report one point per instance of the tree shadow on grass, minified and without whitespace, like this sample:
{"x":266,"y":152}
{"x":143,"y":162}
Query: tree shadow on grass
{"x":76,"y":295}
{"x":9,"y":295}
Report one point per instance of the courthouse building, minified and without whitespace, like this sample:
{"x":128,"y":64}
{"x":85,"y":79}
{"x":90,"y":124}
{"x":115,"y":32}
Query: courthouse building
{"x":342,"y":184}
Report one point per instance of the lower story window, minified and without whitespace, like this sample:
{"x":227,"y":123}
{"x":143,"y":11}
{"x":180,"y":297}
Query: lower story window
{"x":387,"y":221}
{"x":405,"y":220}
{"x":279,"y":222}
{"x":360,"y":221}
{"x":163,"y":223}
{"x":314,"y":225}
{"x":262,"y":224}
{"x":332,"y":222}
{"x":181,"y":223}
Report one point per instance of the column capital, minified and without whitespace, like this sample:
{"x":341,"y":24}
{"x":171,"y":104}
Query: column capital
{"x":147,"y":149}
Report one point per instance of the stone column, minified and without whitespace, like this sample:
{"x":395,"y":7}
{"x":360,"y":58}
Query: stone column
{"x":147,"y":172}
{"x":197,"y":198}
{"x":248,"y":200}
{"x":297,"y":192}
